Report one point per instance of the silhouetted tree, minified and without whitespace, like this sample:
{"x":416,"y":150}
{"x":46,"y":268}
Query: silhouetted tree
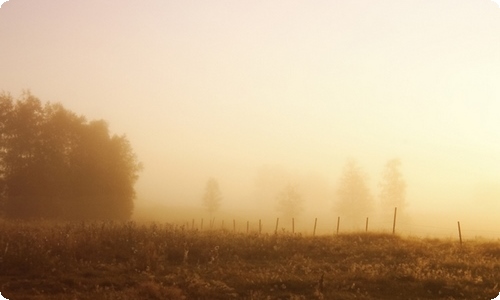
{"x":290,"y":202}
{"x":392,"y":187}
{"x":354,"y":197}
{"x":212,"y":196}
{"x":54,"y":164}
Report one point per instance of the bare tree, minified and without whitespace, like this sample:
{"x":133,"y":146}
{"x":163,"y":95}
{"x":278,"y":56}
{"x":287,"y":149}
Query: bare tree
{"x":290,"y":201}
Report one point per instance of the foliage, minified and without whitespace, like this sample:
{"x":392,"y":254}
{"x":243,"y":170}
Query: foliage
{"x":290,"y":201}
{"x":55,"y":164}
{"x":212,"y":196}
{"x":393,"y":186}
{"x":354,"y":197}
{"x":110,"y":260}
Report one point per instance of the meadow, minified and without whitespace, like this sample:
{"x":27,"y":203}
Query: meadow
{"x":111,"y":260}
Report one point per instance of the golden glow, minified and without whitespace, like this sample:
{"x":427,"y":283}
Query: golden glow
{"x":223,"y":88}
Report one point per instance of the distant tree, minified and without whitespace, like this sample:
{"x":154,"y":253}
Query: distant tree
{"x":270,"y":180}
{"x":212,"y":196}
{"x":392,"y":186}
{"x":290,"y":202}
{"x":354,"y":197}
{"x":54,"y":164}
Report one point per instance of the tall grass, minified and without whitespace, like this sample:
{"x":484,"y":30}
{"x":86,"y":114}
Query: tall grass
{"x":109,"y":260}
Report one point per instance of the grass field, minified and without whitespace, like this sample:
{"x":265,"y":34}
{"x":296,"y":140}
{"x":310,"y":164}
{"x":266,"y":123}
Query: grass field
{"x":40,"y":260}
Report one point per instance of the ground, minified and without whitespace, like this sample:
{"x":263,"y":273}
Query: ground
{"x":109,"y":260}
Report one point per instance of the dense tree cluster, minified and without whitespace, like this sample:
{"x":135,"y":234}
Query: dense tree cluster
{"x":55,"y":164}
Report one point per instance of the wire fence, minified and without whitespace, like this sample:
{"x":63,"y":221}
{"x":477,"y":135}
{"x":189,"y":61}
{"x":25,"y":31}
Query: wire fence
{"x":341,"y":225}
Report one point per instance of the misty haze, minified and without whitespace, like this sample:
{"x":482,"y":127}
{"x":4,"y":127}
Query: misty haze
{"x":249,"y":150}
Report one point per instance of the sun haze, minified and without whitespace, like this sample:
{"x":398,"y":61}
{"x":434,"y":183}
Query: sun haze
{"x":261,"y":94}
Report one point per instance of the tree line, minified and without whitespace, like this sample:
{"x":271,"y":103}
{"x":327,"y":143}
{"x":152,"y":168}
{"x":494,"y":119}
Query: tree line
{"x":55,"y":164}
{"x":354,"y":200}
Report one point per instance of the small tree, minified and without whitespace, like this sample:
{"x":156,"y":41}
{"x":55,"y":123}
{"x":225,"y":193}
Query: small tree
{"x":290,"y":201}
{"x":392,"y":186}
{"x":212,"y":196}
{"x":354,"y":197}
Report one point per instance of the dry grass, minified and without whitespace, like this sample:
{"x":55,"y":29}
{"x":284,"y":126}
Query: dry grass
{"x":159,"y":261}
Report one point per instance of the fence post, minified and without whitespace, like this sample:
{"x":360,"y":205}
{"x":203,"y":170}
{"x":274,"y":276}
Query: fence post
{"x":338,"y":224}
{"x":293,"y":225}
{"x":260,"y":226}
{"x":460,"y":233}
{"x":234,"y":225}
{"x":276,"y":229}
{"x":315,"y":222}
{"x":394,"y":222}
{"x":366,"y":227}
{"x":248,"y":225}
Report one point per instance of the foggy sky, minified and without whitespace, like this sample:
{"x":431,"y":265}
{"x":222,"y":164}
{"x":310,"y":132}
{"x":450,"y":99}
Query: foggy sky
{"x":225,"y":88}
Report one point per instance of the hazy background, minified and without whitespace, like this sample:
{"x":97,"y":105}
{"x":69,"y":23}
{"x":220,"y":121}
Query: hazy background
{"x":237,"y":89}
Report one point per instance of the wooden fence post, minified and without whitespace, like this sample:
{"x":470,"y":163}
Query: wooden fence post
{"x":234,"y":225}
{"x":366,"y":227}
{"x":248,"y":225}
{"x":276,"y":229}
{"x":293,"y":225}
{"x":394,"y":222}
{"x":338,"y":224}
{"x":315,"y":222}
{"x":260,"y":226}
{"x":460,"y":233}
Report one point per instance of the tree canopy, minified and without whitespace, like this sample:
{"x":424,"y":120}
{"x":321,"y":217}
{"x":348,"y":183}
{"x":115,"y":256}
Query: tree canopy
{"x":55,"y":164}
